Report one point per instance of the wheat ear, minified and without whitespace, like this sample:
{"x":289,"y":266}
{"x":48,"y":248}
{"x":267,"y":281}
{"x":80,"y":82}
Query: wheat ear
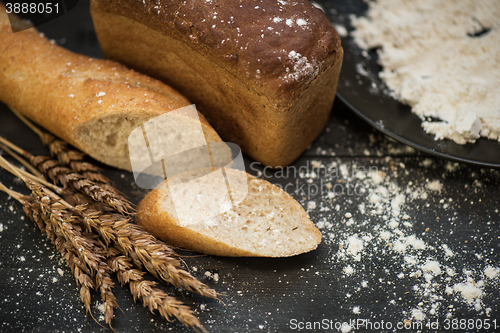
{"x":62,"y":224}
{"x":60,"y":174}
{"x":78,"y":268}
{"x":143,"y":248}
{"x":152,"y":297}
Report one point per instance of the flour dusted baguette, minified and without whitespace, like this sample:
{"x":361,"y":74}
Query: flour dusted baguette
{"x":267,"y":223}
{"x":93,"y":104}
{"x":264,"y":73}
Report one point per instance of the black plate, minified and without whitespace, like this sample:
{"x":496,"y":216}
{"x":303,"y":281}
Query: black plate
{"x":367,"y":96}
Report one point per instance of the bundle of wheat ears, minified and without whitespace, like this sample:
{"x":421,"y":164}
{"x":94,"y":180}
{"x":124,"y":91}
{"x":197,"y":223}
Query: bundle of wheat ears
{"x":91,"y":228}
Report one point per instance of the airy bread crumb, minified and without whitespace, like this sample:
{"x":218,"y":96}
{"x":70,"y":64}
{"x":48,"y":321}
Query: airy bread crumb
{"x":267,"y":223}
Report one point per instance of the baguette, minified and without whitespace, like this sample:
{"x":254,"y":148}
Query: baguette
{"x":266,"y":223}
{"x":263,"y":73}
{"x":92,"y":104}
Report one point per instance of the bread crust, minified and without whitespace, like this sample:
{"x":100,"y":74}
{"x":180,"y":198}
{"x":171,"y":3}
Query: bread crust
{"x":268,"y":90}
{"x":163,"y":225}
{"x":91,"y":103}
{"x":158,"y":217}
{"x":242,"y":36}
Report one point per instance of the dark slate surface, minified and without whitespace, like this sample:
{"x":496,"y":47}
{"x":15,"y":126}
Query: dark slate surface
{"x":38,"y":292}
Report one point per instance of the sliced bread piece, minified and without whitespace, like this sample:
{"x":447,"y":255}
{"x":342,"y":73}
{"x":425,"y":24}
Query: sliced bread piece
{"x":267,"y":223}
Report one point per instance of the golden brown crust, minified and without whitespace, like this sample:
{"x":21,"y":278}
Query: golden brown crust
{"x":155,"y":216}
{"x":62,"y":91}
{"x":277,"y":45}
{"x":272,"y":125}
{"x":160,"y":223}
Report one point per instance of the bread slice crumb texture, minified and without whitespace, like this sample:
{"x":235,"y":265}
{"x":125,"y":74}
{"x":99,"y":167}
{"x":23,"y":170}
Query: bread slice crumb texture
{"x":267,"y":223}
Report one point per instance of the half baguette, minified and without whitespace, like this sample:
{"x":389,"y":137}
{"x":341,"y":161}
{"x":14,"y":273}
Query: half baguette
{"x":267,"y":223}
{"x":91,"y":103}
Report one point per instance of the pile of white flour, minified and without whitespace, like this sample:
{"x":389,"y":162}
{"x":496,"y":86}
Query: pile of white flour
{"x":442,"y":57}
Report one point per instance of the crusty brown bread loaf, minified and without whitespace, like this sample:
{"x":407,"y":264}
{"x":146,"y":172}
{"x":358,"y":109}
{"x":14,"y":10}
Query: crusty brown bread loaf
{"x":93,"y":104}
{"x":264,"y":73}
{"x":267,"y":223}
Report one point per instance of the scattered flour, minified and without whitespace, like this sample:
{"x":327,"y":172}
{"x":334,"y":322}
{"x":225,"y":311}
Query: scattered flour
{"x":417,"y":314}
{"x":434,"y":185}
{"x":354,"y":246}
{"x":101,"y":310}
{"x":491,"y":272}
{"x":470,"y":291}
{"x":441,"y":58}
{"x":433,"y":267}
{"x":349,"y":270}
{"x":341,"y":30}
{"x":436,"y":277}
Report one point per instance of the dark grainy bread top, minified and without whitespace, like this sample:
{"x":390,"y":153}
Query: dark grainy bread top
{"x":278,"y":42}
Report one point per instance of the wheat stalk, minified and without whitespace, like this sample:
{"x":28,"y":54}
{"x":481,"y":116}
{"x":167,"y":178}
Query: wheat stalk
{"x":86,"y":256}
{"x":79,"y":269}
{"x":65,"y":225}
{"x":21,"y":160}
{"x":58,"y":223}
{"x":143,"y":248}
{"x":152,"y":297}
{"x":68,"y":178}
{"x":61,"y":222}
{"x":60,"y":174}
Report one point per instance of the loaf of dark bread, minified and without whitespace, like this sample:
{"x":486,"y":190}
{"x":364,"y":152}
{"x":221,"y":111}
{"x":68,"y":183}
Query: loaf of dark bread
{"x":264,"y":73}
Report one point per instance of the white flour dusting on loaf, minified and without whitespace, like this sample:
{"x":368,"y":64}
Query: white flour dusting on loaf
{"x":442,"y":59}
